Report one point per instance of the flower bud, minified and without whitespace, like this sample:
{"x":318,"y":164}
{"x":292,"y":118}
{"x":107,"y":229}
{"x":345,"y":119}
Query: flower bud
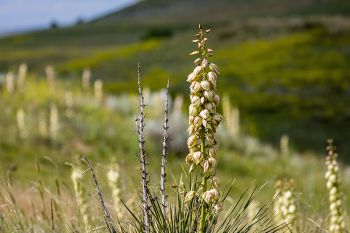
{"x":192,"y":141}
{"x":209,"y":95}
{"x":218,"y":208}
{"x":197,"y":157}
{"x":195,"y":87}
{"x":212,"y":78}
{"x":191,"y":129}
{"x":204,"y":63}
{"x":191,"y":77}
{"x":197,"y":70}
{"x":205,"y":114}
{"x":212,"y":152}
{"x":216,"y":99}
{"x":197,"y":121}
{"x":197,"y":61}
{"x":189,"y":158}
{"x":210,"y":107}
{"x":214,"y":68}
{"x":205,"y":85}
{"x":189,"y":196}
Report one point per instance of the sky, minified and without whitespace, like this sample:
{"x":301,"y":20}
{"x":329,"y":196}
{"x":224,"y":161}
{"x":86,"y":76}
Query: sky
{"x":18,"y":15}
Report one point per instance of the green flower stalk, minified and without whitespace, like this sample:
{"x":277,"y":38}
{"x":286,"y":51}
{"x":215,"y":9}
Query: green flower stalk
{"x":80,"y":193}
{"x":203,"y":122}
{"x":337,"y":223}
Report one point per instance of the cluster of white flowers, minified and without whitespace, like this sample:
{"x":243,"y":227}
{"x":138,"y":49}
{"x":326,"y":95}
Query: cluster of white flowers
{"x":203,"y":120}
{"x":337,"y":223}
{"x":284,"y":203}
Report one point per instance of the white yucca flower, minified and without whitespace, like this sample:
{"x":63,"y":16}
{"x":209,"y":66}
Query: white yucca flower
{"x":98,"y":90}
{"x":10,"y":82}
{"x":337,"y":221}
{"x":85,"y":79}
{"x":21,"y":124}
{"x":80,"y":194}
{"x":54,"y":122}
{"x":22,"y":73}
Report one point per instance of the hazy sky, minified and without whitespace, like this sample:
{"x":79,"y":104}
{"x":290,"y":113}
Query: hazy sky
{"x":23,"y":14}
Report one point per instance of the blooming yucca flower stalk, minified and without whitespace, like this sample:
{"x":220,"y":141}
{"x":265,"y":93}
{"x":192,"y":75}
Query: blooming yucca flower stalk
{"x":22,"y":73}
{"x":203,"y":122}
{"x":42,"y":125}
{"x":80,"y":193}
{"x":284,"y":145}
{"x":98,"y":90}
{"x":54,"y":122}
{"x":113,"y":177}
{"x":284,"y":203}
{"x":85,"y":79}
{"x":10,"y":82}
{"x":50,"y":76}
{"x":231,"y":115}
{"x":21,"y":125}
{"x":337,"y":223}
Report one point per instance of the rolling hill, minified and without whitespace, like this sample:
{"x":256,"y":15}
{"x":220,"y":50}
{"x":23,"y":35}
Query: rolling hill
{"x":285,"y":63}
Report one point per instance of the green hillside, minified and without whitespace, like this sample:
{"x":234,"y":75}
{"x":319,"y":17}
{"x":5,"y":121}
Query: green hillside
{"x":286,"y":64}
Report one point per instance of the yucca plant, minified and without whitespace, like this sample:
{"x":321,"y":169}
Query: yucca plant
{"x":337,"y":221}
{"x":196,"y":206}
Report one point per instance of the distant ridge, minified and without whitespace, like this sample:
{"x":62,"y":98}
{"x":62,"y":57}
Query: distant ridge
{"x":154,"y":11}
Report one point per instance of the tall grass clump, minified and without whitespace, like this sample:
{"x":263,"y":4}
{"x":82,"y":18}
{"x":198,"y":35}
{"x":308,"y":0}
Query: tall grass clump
{"x":337,"y":221}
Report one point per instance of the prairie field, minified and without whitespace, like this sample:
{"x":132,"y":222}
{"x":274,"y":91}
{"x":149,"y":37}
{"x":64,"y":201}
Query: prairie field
{"x":179,"y":116}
